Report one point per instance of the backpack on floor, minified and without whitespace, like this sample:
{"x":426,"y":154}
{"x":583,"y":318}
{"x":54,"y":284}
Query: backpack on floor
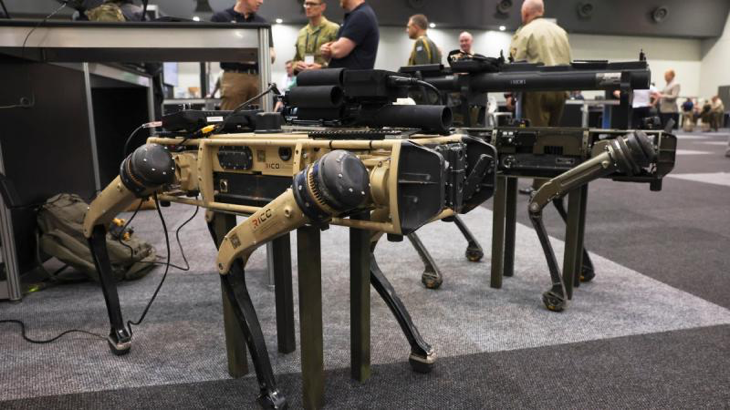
{"x":60,"y":223}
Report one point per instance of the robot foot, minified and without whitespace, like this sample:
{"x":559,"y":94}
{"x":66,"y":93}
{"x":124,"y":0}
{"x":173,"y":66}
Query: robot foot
{"x":431,"y":279}
{"x":420,"y":363}
{"x":272,"y":400}
{"x":587,"y":274}
{"x":474,"y":254}
{"x":120,"y":342}
{"x":554,"y":301}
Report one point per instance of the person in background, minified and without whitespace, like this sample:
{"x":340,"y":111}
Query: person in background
{"x":688,"y":115}
{"x":313,"y":36}
{"x":641,"y":106}
{"x":668,"y":99}
{"x":425,"y":51}
{"x":115,"y":10}
{"x":288,"y":80}
{"x":240,"y":80}
{"x":706,"y":115}
{"x":357,"y":41}
{"x":540,"y":41}
{"x":718,"y":113}
{"x":465,"y":43}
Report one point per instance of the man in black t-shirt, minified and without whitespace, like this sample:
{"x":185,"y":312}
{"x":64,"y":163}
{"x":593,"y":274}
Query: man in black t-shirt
{"x":240,"y":80}
{"x":357,"y":40}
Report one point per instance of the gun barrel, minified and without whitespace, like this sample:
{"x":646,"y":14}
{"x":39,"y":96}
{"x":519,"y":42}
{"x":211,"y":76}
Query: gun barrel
{"x":561,"y":80}
{"x":547,"y":80}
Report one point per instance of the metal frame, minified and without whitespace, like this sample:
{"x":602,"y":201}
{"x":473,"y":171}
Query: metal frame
{"x":89,"y":42}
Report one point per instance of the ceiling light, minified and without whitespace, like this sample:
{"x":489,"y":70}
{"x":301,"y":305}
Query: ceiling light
{"x":432,"y":25}
{"x":196,"y":18}
{"x":279,"y":21}
{"x":502,"y":28}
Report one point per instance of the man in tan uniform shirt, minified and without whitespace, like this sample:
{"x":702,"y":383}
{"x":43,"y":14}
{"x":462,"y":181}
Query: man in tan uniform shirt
{"x":318,"y":32}
{"x":540,"y":41}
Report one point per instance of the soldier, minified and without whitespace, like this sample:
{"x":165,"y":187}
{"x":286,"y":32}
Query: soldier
{"x":425,"y":51}
{"x":540,"y":41}
{"x":313,"y":36}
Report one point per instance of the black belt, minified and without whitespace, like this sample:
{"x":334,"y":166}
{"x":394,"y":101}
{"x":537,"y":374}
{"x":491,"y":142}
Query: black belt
{"x":243,"y":71}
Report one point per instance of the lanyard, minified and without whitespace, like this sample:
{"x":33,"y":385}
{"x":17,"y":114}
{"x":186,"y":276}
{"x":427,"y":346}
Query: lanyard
{"x":306,"y":45}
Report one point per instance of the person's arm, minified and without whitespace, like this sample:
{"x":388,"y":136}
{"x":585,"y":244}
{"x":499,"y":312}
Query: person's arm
{"x":518,"y":48}
{"x":340,"y":48}
{"x":354,"y":33}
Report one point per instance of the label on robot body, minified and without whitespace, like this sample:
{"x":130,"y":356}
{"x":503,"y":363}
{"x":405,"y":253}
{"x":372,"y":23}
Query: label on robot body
{"x":261,"y":221}
{"x":608,"y":78}
{"x":214,"y":119}
{"x":521,"y":81}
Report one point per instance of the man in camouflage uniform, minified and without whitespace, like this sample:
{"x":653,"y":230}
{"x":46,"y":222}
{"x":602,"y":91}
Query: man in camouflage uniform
{"x":318,"y":32}
{"x":540,"y":41}
{"x":425,"y":51}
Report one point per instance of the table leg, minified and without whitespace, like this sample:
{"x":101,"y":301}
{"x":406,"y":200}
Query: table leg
{"x":498,"y":225}
{"x":510,"y":227}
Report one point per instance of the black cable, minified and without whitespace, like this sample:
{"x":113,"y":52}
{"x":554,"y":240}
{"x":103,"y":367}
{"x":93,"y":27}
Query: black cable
{"x":22,"y":327}
{"x":129,"y":139}
{"x":162,"y":281}
{"x":24,"y":102}
{"x":5,"y":9}
{"x":434,"y":89}
{"x":129,"y":323}
{"x":177,"y":237}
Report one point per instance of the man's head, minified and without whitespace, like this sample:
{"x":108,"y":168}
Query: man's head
{"x":350,"y":5}
{"x":289,"y":65}
{"x":715,"y":98}
{"x":314,"y":8}
{"x":465,"y":42}
{"x":669,"y":76}
{"x":417,"y":26}
{"x":249,"y":6}
{"x":532,"y":9}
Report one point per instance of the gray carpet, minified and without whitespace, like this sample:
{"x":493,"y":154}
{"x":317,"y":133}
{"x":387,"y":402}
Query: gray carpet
{"x":646,"y":333}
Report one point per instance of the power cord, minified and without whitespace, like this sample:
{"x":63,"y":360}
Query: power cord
{"x":149,"y":303}
{"x":51,"y":340}
{"x":5,"y":10}
{"x":153,"y":124}
{"x":164,"y":276}
{"x":24,"y":101}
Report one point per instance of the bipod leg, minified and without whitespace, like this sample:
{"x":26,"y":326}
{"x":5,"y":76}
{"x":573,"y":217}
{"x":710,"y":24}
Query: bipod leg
{"x":120,"y":339}
{"x":219,"y":224}
{"x":587,"y":272}
{"x":422,"y":357}
{"x":234,"y":285}
{"x":431,"y":277}
{"x":474,"y":251}
{"x":554,"y":299}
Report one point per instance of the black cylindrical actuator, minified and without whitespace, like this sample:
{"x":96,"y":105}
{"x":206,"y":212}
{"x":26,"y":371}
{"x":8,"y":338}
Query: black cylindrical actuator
{"x":330,"y":76}
{"x":436,"y":118}
{"x":317,"y":96}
